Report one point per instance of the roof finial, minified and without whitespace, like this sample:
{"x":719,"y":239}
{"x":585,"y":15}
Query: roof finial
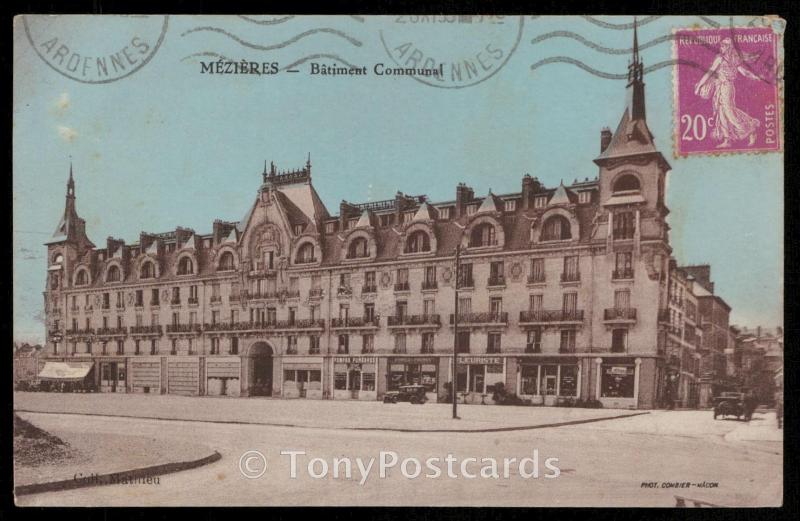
{"x":265,"y":167}
{"x":71,"y":181}
{"x":271,"y":168}
{"x":308,"y":162}
{"x":635,"y":43}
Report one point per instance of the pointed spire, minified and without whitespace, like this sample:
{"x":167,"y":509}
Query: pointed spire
{"x":70,"y":183}
{"x":635,"y":43}
{"x":308,"y":162}
{"x":635,"y":80}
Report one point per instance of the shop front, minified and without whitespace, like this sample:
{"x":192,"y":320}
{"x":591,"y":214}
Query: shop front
{"x":113,"y":376}
{"x":477,"y":376}
{"x":302,"y":377}
{"x":354,"y":378}
{"x":407,"y":370}
{"x":618,"y":382}
{"x":548,"y":381}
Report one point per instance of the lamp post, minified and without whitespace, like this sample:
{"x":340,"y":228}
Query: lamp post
{"x":455,"y":333}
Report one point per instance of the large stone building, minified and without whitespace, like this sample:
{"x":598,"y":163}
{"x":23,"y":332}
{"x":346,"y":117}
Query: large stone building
{"x":561,"y":291}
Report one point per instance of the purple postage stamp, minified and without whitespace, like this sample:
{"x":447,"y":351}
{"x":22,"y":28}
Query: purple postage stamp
{"x":726,"y":90}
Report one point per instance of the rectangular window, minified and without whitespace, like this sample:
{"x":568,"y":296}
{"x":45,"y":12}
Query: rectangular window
{"x":176,"y":318}
{"x":291,"y":344}
{"x":622,"y":299}
{"x":464,"y":305}
{"x":624,"y":225}
{"x":496,"y":306}
{"x":402,"y":280}
{"x":344,"y":280}
{"x":428,"y":307}
{"x":234,"y":345}
{"x":369,"y":281}
{"x":540,"y":201}
{"x":344,"y":312}
{"x":154,"y":319}
{"x":585,"y":197}
{"x":369,"y":312}
{"x":368,"y":343}
{"x":427,"y":342}
{"x":535,"y":303}
{"x":571,"y":273}
{"x":330,"y":227}
{"x":313,"y":345}
{"x":493,"y":342}
{"x":344,"y":344}
{"x":471,"y":209}
{"x":619,"y":340}
{"x":139,"y":321}
{"x":401,"y":308}
{"x":537,"y":271}
{"x":176,"y":295}
{"x":463,"y":341}
{"x":617,"y":381}
{"x":154,"y":297}
{"x":193,"y":317}
{"x":623,"y":265}
{"x":511,"y":205}
{"x":534,"y":343}
{"x":444,"y":213}
{"x":567,"y":341}
{"x":400,"y":343}
{"x":106,"y":301}
{"x":139,"y":297}
{"x":272,"y":316}
{"x":465,"y":276}
{"x":215,"y":316}
{"x":215,"y":346}
{"x":430,"y":278}
{"x":496,"y":274}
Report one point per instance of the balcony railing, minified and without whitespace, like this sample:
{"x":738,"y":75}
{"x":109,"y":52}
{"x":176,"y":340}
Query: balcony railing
{"x":355,"y":322}
{"x":480,"y":318}
{"x":235,"y":297}
{"x":399,"y":350}
{"x":81,"y":332}
{"x":402,"y":286}
{"x":571,"y":277}
{"x":465,"y":282}
{"x":88,"y":307}
{"x":625,"y":273}
{"x":534,"y":347}
{"x":414,"y":320}
{"x":619,"y":314}
{"x":183,"y":328}
{"x":147,"y":330}
{"x":120,"y":305}
{"x":429,"y":285}
{"x":193,"y":301}
{"x":112,"y":331}
{"x":426,"y":349}
{"x":216,"y":299}
{"x":497,"y":280}
{"x":537,"y":278}
{"x":366,"y":289}
{"x":566,"y":349}
{"x":175,"y":301}
{"x":492,"y":349}
{"x":551,"y":315}
{"x":315,"y":293}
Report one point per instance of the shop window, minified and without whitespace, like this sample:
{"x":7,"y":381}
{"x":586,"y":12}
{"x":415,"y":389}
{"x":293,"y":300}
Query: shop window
{"x":529,"y":379}
{"x":549,"y":380}
{"x":617,"y":381}
{"x":568,"y":383}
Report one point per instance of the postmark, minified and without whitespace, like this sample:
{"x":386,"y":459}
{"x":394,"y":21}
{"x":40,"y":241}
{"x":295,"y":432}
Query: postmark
{"x":69,"y":47}
{"x":726,"y":90}
{"x":485,"y":45}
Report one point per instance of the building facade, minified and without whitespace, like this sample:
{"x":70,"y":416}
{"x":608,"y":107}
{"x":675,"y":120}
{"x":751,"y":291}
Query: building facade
{"x":560,"y":291}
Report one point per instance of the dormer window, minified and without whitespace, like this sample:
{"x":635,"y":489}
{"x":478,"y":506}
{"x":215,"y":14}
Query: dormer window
{"x":298,"y":229}
{"x":417,"y":242}
{"x":330,"y":227}
{"x":471,"y":209}
{"x":113,"y":274}
{"x":556,"y":228}
{"x":627,"y":183}
{"x":148,"y":270}
{"x":585,"y":197}
{"x":483,"y":235}
{"x":444,"y":213}
{"x":540,"y":201}
{"x":226,"y":261}
{"x":305,"y":254}
{"x":358,"y":249}
{"x":82,"y":278}
{"x":185,"y":266}
{"x":511,"y":205}
{"x":407,"y":217}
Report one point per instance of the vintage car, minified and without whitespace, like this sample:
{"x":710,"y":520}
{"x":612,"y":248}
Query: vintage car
{"x":408,"y":393}
{"x":730,"y":404}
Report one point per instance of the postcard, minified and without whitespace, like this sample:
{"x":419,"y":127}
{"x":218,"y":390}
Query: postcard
{"x":411,"y":260}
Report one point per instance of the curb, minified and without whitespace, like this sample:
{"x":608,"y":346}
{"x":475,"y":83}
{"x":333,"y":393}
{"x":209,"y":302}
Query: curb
{"x":116,"y":477}
{"x":380,"y":429}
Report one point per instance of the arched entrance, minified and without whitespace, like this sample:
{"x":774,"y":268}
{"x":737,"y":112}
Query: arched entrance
{"x":259,"y":366}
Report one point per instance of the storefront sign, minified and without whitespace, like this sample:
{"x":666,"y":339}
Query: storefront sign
{"x":412,"y":360}
{"x":492,"y":360}
{"x":618,"y":370}
{"x":355,"y":359}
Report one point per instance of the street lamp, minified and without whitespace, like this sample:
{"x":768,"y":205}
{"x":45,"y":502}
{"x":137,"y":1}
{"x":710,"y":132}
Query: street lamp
{"x":455,"y":333}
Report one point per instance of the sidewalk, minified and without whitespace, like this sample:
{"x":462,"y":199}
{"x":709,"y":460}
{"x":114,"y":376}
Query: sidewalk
{"x":320,"y":414}
{"x":96,"y":454}
{"x":763,"y":427}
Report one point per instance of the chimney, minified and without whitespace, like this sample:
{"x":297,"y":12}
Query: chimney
{"x":464,"y":195}
{"x":605,"y":139}
{"x":758,"y":332}
{"x":399,"y":206}
{"x":530,"y":185}
{"x":218,"y":230}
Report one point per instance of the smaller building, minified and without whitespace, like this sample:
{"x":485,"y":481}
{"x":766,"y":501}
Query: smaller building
{"x":26,"y":363}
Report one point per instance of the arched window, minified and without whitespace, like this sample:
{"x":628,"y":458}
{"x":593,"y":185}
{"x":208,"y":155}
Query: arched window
{"x":81,"y":279}
{"x":626,"y":183}
{"x":148,"y":270}
{"x":305,"y":254}
{"x":358,"y":248}
{"x":112,"y":275}
{"x":556,"y":228}
{"x":58,"y":259}
{"x":226,"y":261}
{"x":418,"y":241}
{"x":483,"y":235}
{"x":185,"y":266}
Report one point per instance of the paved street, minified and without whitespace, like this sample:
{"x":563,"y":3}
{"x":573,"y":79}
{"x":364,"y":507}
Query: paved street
{"x":602,"y":463}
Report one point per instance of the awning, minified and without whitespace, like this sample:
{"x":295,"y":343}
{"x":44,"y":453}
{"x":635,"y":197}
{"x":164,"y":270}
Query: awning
{"x":65,"y":371}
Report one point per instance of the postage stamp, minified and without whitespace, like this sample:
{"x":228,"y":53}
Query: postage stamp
{"x":726,"y":90}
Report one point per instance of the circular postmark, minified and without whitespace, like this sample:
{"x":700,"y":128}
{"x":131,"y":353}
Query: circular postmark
{"x":467,"y":49}
{"x":95,"y":49}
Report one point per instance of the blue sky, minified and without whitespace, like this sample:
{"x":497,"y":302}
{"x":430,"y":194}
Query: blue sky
{"x":168,"y":146}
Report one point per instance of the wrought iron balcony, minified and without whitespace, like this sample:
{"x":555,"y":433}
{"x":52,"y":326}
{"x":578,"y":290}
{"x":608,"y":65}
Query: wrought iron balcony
{"x":537,"y":278}
{"x":183,"y":328}
{"x":355,"y":322}
{"x":315,"y":293}
{"x":81,"y":332}
{"x":216,"y":299}
{"x":112,"y":331}
{"x":147,"y":330}
{"x":619,"y":315}
{"x":175,"y":301}
{"x":429,"y":285}
{"x":497,"y":280}
{"x":550,"y":315}
{"x":480,"y":318}
{"x":533,"y":347}
{"x":625,"y":273}
{"x":571,"y":277}
{"x":399,"y":350}
{"x":414,"y":320}
{"x":492,"y":349}
{"x":366,"y":289}
{"x":193,"y":301}
{"x":402,"y":286}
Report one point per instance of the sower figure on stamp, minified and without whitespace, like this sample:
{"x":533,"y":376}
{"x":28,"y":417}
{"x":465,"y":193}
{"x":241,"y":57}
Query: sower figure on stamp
{"x":730,"y":122}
